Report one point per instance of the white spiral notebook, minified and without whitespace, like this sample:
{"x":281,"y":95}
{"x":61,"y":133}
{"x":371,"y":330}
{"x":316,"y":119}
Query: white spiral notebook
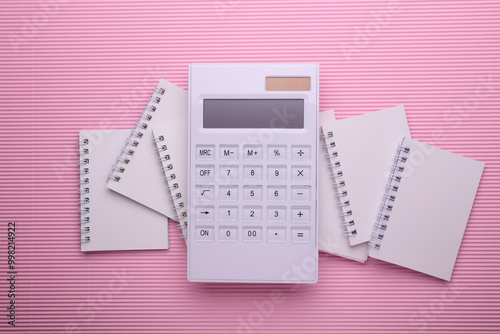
{"x":360,"y":151}
{"x":171,"y":145}
{"x":110,"y":221}
{"x":137,"y":173}
{"x":331,"y":232}
{"x":425,"y":208}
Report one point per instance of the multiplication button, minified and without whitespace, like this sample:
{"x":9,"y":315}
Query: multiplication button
{"x":301,"y":152}
{"x":301,"y":173}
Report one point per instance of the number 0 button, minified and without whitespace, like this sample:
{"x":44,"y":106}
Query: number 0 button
{"x":228,"y":234}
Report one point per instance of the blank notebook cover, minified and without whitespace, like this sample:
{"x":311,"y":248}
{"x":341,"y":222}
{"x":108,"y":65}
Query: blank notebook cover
{"x":361,"y":150}
{"x":110,"y":221}
{"x":137,"y":173}
{"x":172,"y":156}
{"x":428,"y":199}
{"x":331,"y":232}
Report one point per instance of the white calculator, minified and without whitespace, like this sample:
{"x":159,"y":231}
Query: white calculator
{"x":253,"y":137}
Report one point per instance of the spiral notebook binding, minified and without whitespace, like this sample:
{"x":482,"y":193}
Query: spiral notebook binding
{"x":339,"y":183}
{"x":84,"y":190}
{"x":135,"y":136}
{"x":169,"y":172}
{"x":391,"y":189}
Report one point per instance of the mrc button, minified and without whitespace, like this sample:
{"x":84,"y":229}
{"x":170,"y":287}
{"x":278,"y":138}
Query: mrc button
{"x":205,"y":152}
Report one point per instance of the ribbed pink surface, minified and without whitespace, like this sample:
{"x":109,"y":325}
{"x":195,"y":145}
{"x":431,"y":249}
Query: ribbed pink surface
{"x":69,"y":65}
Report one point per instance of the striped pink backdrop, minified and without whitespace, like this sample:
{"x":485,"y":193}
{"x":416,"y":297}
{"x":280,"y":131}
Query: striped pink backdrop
{"x":67,"y":65}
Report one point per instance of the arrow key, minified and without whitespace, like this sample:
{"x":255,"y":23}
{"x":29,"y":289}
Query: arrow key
{"x":204,"y":213}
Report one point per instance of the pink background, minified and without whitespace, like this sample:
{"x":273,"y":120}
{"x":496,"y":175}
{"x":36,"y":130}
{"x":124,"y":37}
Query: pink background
{"x":69,"y":65}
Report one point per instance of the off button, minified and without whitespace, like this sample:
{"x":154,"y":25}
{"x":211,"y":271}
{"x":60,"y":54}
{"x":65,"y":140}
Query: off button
{"x":205,"y":172}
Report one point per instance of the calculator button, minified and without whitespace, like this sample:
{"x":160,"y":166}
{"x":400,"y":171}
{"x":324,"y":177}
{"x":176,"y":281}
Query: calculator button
{"x":276,"y":152}
{"x":228,"y":193}
{"x":252,"y":173}
{"x":204,"y":213}
{"x":205,"y":193}
{"x":205,"y":172}
{"x":276,"y":193}
{"x":228,"y":213}
{"x":228,"y":173}
{"x":252,"y":214}
{"x":276,"y":173}
{"x":252,"y":152}
{"x":301,"y":214}
{"x":276,"y":234}
{"x":301,"y":235}
{"x":301,"y":152}
{"x":228,"y":152}
{"x":276,"y":214}
{"x":205,"y":152}
{"x":228,"y":234}
{"x":301,"y":173}
{"x":301,"y":193}
{"x":252,"y":234}
{"x":204,"y":233}
{"x":252,"y":193}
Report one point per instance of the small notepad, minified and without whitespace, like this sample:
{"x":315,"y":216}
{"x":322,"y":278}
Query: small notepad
{"x":360,"y":150}
{"x":110,"y":221}
{"x":137,"y":173}
{"x":172,"y":148}
{"x":425,"y":208}
{"x":331,"y":232}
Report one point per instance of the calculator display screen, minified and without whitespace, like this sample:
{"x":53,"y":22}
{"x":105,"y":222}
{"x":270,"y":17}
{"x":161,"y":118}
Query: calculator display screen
{"x":253,"y":113}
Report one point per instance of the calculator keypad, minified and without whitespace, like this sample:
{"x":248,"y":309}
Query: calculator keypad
{"x":253,"y":193}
